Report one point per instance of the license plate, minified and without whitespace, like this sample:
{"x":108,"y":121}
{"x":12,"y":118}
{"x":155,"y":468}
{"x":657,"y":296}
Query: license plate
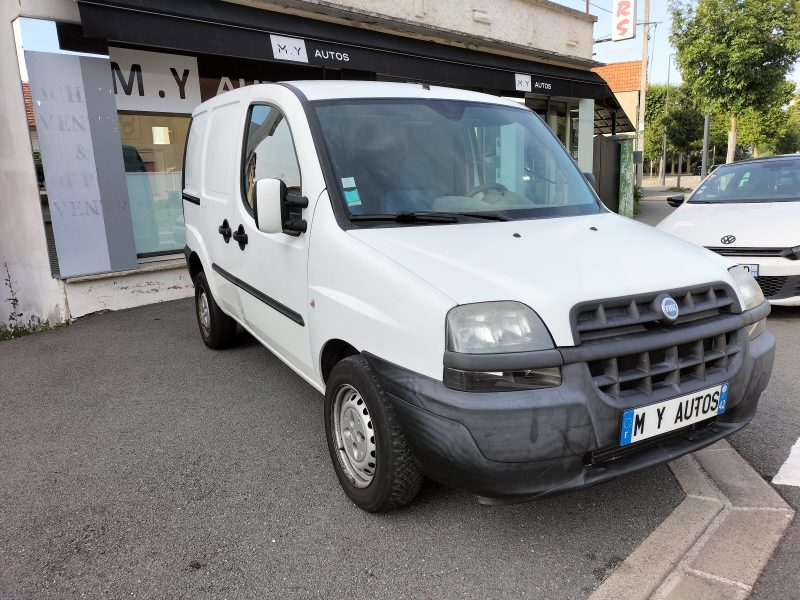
{"x":753,"y":269}
{"x":654,"y":419}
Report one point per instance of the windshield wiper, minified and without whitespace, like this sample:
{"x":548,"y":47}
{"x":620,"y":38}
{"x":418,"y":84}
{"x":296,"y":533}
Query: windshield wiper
{"x":408,"y":217}
{"x":429,"y":217}
{"x":489,"y":216}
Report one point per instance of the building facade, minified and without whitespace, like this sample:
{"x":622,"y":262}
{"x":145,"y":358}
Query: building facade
{"x":624,"y":79}
{"x":92,"y":166}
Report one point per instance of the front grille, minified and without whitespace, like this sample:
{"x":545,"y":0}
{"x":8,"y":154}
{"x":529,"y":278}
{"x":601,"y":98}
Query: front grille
{"x":726,"y":251}
{"x":771,"y":286}
{"x":672,"y":369}
{"x":621,"y":316}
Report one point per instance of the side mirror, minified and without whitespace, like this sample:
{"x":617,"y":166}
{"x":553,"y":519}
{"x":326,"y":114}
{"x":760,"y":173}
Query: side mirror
{"x":270,"y":194}
{"x":590,"y":178}
{"x":675,"y":200}
{"x":272,"y":208}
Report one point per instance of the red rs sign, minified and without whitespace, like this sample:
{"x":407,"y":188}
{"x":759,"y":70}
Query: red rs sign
{"x":624,"y":15}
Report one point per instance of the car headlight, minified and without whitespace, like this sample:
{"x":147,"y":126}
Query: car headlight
{"x":498,"y":327}
{"x":791,"y":253}
{"x":489,"y":327}
{"x":752,"y":296}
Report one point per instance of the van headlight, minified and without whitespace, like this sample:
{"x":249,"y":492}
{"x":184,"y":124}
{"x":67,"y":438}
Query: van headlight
{"x":752,"y":296}
{"x":498,"y":327}
{"x":489,"y":327}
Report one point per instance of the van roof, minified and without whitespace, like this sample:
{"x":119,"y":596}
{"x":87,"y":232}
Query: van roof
{"x":335,"y":89}
{"x":328,"y":90}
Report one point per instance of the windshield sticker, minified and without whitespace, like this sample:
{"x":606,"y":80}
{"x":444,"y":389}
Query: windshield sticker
{"x":352,"y":198}
{"x":348,"y":183}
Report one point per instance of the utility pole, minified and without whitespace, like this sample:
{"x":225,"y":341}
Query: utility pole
{"x":643,"y":91}
{"x":662,"y":178}
{"x":704,"y":167}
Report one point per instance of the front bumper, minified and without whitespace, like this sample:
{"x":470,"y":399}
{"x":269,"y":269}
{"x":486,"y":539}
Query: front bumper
{"x":781,"y":290}
{"x":515,"y":446}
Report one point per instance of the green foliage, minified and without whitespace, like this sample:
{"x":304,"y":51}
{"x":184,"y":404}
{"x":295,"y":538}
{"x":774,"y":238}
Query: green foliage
{"x":653,"y":118}
{"x":684,"y":121}
{"x":735,"y":54}
{"x":637,"y":198}
{"x":17,"y":325}
{"x":789,"y":141}
{"x":762,"y":128}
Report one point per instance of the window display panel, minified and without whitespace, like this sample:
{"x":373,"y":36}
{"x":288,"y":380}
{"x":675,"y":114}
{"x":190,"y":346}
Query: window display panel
{"x":152,"y":147}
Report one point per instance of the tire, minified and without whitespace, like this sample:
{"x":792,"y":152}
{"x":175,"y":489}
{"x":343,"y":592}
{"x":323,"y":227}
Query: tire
{"x":354,"y":399}
{"x":217,"y":329}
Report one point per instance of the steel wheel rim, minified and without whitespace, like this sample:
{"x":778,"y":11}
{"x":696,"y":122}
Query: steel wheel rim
{"x":354,"y":436}
{"x":204,"y":312}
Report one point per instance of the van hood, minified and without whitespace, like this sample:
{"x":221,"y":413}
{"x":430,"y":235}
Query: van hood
{"x":548,"y":264}
{"x":753,"y":224}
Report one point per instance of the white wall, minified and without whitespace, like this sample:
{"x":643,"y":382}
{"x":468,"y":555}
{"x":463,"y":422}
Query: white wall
{"x":537,"y":25}
{"x":22,"y":240}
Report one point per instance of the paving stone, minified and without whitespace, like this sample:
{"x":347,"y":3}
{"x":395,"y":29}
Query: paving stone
{"x":720,"y":445}
{"x":741,"y":546}
{"x":692,"y":479}
{"x":742,"y":484}
{"x":695,"y":587}
{"x":647,"y":566}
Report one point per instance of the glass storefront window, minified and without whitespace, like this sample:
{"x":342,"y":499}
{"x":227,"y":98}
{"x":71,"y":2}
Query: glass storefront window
{"x":152,"y":148}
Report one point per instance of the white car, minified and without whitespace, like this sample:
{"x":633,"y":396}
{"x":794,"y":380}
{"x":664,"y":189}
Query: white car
{"x":750,"y":212}
{"x":433,"y":262}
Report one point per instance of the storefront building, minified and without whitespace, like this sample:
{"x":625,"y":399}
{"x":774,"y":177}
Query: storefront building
{"x":93,"y":216}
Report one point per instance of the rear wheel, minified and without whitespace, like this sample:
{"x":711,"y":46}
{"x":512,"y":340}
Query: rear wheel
{"x":369,"y":451}
{"x":217,"y":329}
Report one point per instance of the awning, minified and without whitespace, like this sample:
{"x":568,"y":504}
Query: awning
{"x":234,"y":30}
{"x":219,"y":28}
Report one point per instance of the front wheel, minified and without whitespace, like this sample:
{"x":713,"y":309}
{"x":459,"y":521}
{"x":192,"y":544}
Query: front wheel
{"x":368,"y":449}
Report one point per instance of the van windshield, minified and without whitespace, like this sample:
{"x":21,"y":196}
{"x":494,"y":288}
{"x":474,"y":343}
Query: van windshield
{"x":412,"y":157}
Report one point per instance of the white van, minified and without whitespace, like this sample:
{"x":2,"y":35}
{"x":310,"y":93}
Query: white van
{"x":433,"y":261}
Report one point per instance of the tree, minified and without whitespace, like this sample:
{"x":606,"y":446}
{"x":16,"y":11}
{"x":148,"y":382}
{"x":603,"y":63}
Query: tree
{"x":653,"y":119}
{"x":684,"y":123}
{"x":736,"y":54}
{"x":789,"y":141}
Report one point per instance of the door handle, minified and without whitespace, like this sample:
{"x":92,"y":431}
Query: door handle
{"x":225,"y":231}
{"x":240,"y":236}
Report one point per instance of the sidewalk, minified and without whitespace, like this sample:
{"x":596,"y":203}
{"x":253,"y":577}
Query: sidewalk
{"x":653,"y":184}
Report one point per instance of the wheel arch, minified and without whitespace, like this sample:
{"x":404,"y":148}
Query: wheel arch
{"x":195,"y":265}
{"x":332,"y":352}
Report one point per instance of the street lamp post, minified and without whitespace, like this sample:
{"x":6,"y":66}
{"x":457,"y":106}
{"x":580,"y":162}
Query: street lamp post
{"x":639,"y":140}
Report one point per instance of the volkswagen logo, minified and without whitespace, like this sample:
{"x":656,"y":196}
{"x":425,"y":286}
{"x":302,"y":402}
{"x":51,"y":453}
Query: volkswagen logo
{"x":728,"y":239}
{"x":669,"y":308}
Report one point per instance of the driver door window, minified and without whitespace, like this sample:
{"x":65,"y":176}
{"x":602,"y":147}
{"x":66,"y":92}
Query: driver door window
{"x":269,"y":152}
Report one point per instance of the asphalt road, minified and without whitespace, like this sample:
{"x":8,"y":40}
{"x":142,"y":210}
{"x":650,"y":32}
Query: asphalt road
{"x":134,"y":462}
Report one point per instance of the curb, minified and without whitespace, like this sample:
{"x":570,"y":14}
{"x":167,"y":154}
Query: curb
{"x":715,"y":543}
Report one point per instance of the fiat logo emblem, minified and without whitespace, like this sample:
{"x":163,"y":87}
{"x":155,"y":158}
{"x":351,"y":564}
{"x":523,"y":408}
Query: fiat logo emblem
{"x":669,"y":308}
{"x":728,"y":239}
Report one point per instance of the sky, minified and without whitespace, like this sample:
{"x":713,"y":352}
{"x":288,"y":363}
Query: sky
{"x":661,"y":67}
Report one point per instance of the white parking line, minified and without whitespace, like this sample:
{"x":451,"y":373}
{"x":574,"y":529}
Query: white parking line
{"x":789,"y":473}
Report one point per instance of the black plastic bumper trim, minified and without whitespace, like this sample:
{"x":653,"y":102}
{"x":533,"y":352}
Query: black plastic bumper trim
{"x":588,"y":351}
{"x":271,"y":302}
